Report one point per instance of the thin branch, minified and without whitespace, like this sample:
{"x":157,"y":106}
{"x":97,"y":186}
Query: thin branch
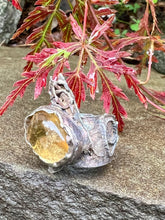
{"x":151,"y":52}
{"x":151,"y":95}
{"x":85,"y":20}
{"x":156,"y":106}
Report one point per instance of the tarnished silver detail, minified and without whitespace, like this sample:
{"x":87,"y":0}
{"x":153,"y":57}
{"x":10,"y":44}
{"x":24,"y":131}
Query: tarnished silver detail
{"x":88,"y":140}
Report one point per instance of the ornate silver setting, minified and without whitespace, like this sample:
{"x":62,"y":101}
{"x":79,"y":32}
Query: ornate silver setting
{"x":86,"y":140}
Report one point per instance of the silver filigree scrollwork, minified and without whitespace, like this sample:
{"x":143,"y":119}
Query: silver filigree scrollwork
{"x":60,"y":135}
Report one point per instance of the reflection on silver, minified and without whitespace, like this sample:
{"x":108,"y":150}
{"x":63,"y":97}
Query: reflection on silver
{"x":85,"y":140}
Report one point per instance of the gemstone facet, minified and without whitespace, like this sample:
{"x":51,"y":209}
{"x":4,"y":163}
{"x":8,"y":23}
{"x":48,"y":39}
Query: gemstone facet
{"x":47,"y":137}
{"x":62,"y":136}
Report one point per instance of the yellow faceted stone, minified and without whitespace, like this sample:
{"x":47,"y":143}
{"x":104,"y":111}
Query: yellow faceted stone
{"x":47,"y":137}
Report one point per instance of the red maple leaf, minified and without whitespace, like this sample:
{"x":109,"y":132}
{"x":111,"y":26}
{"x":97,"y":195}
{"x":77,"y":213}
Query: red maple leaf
{"x":76,"y":82}
{"x":64,"y":23}
{"x":103,"y":11}
{"x":37,"y":33}
{"x":38,"y":58}
{"x":104,"y":2}
{"x":109,"y":94}
{"x":133,"y":82}
{"x":41,"y":81}
{"x":159,"y":96}
{"x":60,"y":67}
{"x":99,"y":30}
{"x":37,"y":15}
{"x":76,"y":28}
{"x":16,"y":4}
{"x":20,"y":90}
{"x":44,"y":2}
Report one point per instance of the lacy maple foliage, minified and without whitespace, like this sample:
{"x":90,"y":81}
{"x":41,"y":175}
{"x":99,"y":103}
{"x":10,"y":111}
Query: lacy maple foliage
{"x":16,"y":4}
{"x":87,"y":34}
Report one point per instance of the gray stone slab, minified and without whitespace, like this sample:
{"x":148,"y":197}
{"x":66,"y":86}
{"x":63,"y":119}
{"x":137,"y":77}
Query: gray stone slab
{"x":131,"y":187}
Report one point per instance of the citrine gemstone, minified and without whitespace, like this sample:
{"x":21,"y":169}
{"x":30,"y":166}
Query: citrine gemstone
{"x":47,"y":137}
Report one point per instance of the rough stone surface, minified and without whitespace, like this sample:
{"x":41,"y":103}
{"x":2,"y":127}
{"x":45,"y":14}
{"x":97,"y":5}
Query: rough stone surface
{"x":160,"y":66}
{"x":31,"y":195}
{"x":9,"y":18}
{"x":131,"y":187}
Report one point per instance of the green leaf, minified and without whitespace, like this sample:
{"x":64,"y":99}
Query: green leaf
{"x":133,"y":7}
{"x":155,"y":1}
{"x":136,"y":7}
{"x":130,"y":7}
{"x":134,"y":27}
{"x":124,"y":33}
{"x":51,"y":58}
{"x":117,"y":31}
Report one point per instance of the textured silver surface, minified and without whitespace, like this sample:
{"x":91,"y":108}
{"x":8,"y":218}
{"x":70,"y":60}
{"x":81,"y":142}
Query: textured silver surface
{"x":91,"y":138}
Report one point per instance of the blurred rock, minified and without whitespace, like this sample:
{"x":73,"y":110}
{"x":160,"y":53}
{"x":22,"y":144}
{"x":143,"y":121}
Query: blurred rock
{"x":9,"y":17}
{"x":160,"y":66}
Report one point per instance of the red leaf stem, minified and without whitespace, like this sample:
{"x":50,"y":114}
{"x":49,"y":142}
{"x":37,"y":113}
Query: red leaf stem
{"x":16,"y":4}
